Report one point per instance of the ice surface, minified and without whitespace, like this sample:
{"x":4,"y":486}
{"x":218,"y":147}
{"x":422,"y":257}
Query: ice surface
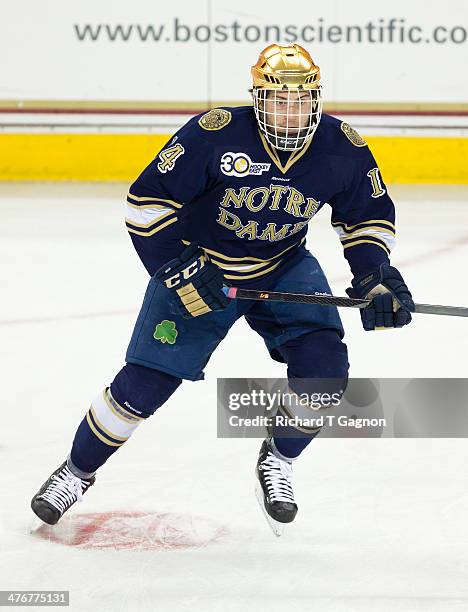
{"x":382,"y":523}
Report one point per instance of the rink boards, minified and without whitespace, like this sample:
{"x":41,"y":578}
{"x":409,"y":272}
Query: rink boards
{"x":412,"y":144}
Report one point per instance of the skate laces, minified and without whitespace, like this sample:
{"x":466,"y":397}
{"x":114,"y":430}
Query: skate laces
{"x":277,"y":475}
{"x":64,"y":490}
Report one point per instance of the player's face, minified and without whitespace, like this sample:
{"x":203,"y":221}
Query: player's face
{"x":288,"y":118}
{"x":288,"y":111}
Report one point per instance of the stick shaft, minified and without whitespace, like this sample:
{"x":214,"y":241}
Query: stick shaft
{"x":331,"y":300}
{"x":275,"y":296}
{"x":451,"y":311}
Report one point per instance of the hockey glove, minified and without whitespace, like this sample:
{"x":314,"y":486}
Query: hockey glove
{"x":196,"y":282}
{"x":391,"y":304}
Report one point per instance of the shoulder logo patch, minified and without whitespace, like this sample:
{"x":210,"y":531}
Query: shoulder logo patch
{"x":353,"y":136}
{"x":215,"y":119}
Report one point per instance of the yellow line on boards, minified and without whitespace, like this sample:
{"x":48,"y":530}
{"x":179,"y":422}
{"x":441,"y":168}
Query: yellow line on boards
{"x":121,"y":157}
{"x":406,"y":159}
{"x":77,"y":157}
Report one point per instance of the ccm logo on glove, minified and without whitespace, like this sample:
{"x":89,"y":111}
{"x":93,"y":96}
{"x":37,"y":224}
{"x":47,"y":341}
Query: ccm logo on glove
{"x":186,"y":273}
{"x":195,"y":282}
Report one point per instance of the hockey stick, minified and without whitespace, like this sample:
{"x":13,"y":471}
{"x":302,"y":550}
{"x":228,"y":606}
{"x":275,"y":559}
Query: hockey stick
{"x":331,"y":300}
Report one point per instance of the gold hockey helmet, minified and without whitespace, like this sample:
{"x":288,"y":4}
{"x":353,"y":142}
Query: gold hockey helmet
{"x":285,"y":66}
{"x":287,"y":95}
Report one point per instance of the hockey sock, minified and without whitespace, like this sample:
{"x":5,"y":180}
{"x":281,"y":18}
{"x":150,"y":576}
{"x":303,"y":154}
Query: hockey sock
{"x":289,"y":446}
{"x":106,"y":426}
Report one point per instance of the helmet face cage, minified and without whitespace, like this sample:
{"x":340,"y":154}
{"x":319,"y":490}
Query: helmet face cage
{"x":287,"y":117}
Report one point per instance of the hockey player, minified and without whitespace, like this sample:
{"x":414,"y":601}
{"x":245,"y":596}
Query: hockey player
{"x":228,"y":201}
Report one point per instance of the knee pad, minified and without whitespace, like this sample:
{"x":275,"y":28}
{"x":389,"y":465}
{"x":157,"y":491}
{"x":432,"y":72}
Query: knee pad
{"x":143,"y":390}
{"x":320,"y":354}
{"x":318,"y":370}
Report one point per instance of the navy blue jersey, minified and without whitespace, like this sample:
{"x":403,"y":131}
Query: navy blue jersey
{"x":220,"y":185}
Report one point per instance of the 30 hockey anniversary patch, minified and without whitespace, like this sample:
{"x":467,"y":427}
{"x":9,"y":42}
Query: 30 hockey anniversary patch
{"x":240,"y":164}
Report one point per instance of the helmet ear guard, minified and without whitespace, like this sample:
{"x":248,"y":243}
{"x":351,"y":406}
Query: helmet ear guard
{"x":287,"y":96}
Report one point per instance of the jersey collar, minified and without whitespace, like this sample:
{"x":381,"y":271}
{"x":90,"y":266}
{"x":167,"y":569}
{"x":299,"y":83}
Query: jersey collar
{"x":293,"y":158}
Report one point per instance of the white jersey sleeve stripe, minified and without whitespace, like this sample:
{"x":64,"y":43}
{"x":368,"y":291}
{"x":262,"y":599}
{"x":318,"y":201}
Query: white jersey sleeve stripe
{"x":144,"y":217}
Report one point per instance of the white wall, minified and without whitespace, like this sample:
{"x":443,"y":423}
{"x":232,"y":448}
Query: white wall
{"x":42,"y":58}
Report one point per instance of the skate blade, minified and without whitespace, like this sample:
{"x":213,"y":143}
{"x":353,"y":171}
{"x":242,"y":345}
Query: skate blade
{"x":276,"y":527}
{"x":34,"y":524}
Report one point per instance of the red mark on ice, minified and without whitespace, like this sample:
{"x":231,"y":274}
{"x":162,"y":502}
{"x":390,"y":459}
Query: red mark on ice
{"x":133,"y":531}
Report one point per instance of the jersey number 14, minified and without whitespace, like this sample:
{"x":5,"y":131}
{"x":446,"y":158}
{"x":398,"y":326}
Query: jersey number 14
{"x":168,"y":157}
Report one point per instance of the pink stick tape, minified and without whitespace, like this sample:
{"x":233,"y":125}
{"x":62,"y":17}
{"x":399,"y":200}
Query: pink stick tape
{"x":231,"y":292}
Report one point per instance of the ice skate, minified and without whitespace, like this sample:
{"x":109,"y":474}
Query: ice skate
{"x":274,"y":489}
{"x":58,"y":494}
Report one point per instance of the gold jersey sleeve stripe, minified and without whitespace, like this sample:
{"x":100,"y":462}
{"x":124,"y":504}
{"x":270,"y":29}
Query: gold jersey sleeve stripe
{"x":153,"y":199}
{"x":366,"y":228}
{"x":370,"y":221}
{"x":388,"y":242}
{"x":145,"y":206}
{"x":351,"y":244}
{"x":155,"y":230}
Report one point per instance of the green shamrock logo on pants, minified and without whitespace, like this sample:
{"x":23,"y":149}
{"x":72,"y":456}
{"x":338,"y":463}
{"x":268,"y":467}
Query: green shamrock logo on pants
{"x":166,"y":332}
